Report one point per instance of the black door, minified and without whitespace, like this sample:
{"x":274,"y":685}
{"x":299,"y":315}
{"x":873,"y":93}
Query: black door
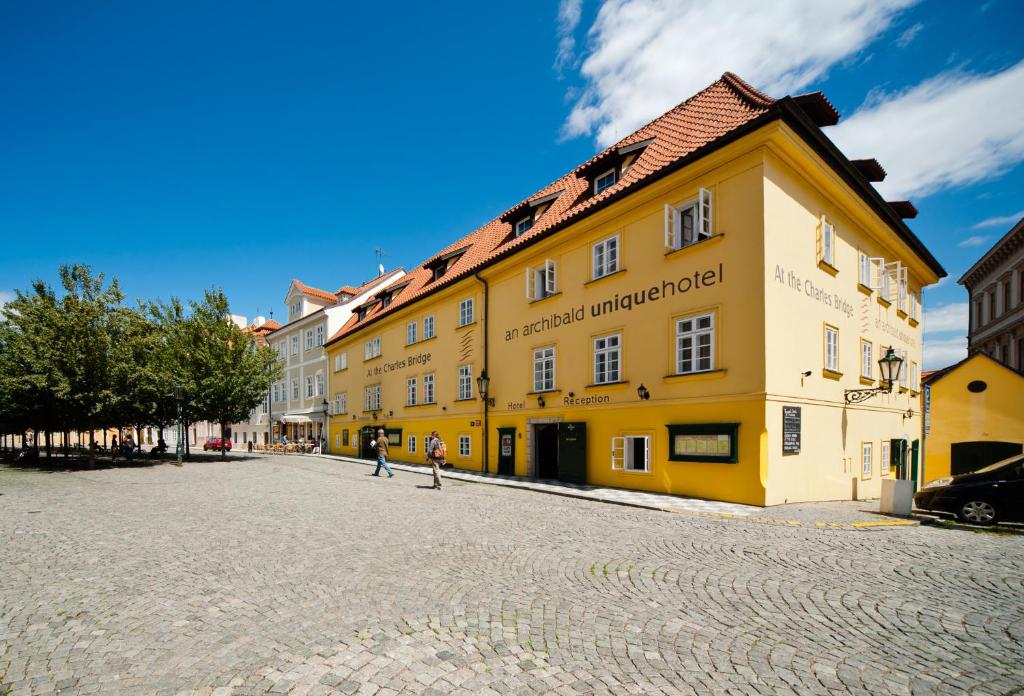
{"x":365,"y":450}
{"x":507,"y":451}
{"x":572,"y":452}
{"x":966,"y":457}
{"x":547,"y":450}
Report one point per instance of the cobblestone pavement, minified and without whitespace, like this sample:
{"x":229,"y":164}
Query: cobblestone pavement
{"x":296,"y":575}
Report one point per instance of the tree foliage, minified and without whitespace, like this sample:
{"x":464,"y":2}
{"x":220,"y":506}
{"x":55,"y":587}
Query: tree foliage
{"x":82,"y":360}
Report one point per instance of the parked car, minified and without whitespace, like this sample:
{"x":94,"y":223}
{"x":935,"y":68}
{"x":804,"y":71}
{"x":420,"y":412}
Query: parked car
{"x":986,"y":496}
{"x":217,"y":444}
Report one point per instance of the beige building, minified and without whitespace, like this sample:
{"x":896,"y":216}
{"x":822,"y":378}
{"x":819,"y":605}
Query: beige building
{"x":996,"y":287}
{"x":298,"y":401}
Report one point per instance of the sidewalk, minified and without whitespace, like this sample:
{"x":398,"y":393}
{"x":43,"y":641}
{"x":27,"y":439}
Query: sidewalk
{"x":839,"y":514}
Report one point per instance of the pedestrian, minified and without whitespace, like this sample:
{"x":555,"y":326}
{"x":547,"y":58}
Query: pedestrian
{"x":129,"y":446}
{"x":436,"y":452}
{"x":381,"y":445}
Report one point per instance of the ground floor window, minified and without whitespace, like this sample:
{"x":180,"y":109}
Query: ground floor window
{"x":883,"y":465}
{"x":866,"y":459}
{"x":464,"y":445}
{"x":631,"y":453}
{"x":411,"y":444}
{"x":704,"y":442}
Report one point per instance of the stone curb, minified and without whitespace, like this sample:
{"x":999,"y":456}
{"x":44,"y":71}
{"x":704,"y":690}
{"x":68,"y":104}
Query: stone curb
{"x":482,"y":479}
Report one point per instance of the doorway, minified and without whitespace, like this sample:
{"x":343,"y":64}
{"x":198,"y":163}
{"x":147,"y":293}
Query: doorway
{"x":546,"y":450}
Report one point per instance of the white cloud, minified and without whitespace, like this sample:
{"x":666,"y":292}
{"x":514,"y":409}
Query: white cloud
{"x":5,"y":297}
{"x":1001,"y":220}
{"x":569,"y":12}
{"x":909,"y":35}
{"x":973,"y":241}
{"x":951,"y":317}
{"x":645,"y":56}
{"x":951,"y":130}
{"x":941,"y":352}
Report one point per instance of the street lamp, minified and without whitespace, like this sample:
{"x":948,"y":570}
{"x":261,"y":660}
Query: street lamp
{"x":643,"y":393}
{"x":323,"y":436}
{"x":889,"y":366}
{"x":483,"y":384}
{"x":179,"y":434}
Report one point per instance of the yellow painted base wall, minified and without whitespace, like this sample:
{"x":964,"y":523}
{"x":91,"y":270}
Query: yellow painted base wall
{"x":449,"y":428}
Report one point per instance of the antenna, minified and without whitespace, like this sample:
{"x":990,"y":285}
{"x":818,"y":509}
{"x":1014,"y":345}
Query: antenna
{"x":380,"y":253}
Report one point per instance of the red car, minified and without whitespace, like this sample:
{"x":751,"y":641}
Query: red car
{"x":217,"y":444}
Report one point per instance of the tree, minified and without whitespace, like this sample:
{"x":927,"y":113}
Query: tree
{"x":232,"y":373}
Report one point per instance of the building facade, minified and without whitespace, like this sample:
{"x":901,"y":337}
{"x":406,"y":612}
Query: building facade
{"x":298,"y":401}
{"x":996,"y":287}
{"x":256,"y":428}
{"x":683,"y":313}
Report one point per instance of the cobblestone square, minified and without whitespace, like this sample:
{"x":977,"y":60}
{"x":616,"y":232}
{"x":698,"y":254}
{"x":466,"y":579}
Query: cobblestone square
{"x":292,"y":575}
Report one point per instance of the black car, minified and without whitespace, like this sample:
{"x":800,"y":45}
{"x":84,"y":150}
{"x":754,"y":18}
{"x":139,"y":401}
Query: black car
{"x":986,"y":496}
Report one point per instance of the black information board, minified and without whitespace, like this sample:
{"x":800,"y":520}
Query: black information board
{"x":791,"y":430}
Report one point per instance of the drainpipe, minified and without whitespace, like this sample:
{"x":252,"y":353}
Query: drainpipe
{"x":487,"y":317}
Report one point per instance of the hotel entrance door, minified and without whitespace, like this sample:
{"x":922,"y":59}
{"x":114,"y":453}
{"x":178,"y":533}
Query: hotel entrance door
{"x":561,"y":451}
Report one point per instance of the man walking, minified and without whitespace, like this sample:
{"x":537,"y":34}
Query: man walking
{"x":435,"y":452}
{"x":381,"y":446}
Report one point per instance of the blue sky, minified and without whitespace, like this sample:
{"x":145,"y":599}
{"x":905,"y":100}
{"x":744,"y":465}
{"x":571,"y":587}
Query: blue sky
{"x":184,"y":145}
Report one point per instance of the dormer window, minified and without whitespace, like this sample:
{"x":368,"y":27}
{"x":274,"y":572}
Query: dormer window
{"x":294,"y":309}
{"x":385,"y":300}
{"x":604,"y":181}
{"x":524,"y":225}
{"x":361,"y":314}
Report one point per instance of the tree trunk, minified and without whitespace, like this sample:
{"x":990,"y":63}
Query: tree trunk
{"x":49,"y":444}
{"x":92,"y":448}
{"x":223,"y":445}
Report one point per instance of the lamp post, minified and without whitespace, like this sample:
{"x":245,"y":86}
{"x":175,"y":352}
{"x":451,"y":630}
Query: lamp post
{"x":179,"y":436}
{"x":889,"y":366}
{"x":323,"y":435}
{"x":483,"y":386}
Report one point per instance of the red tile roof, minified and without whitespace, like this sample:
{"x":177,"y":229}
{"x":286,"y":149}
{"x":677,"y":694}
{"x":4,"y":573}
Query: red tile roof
{"x":690,"y":129}
{"x":315,"y":292}
{"x":368,"y":284}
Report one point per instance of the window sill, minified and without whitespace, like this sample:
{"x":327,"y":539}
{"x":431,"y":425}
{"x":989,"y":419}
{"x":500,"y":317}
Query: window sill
{"x":865,"y":289}
{"x":599,"y":385}
{"x":694,"y":376}
{"x":463,"y":326}
{"x":344,"y":369}
{"x":903,"y":390}
{"x":634,"y":472}
{"x":867,"y":381}
{"x":546,"y":297}
{"x":831,"y":374}
{"x":459,"y":401}
{"x":913,"y":322}
{"x":545,"y":391}
{"x":901,"y":314}
{"x":884,"y":302}
{"x":432,"y":403}
{"x":702,"y":243}
{"x":376,"y":357}
{"x":605,"y":276}
{"x":828,"y":268}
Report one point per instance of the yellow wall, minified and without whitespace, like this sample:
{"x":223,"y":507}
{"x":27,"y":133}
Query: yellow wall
{"x":959,"y":415}
{"x":768,"y":193}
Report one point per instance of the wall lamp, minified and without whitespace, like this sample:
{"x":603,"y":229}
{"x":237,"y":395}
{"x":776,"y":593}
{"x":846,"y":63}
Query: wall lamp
{"x":540,"y":401}
{"x":643,"y":393}
{"x":805,"y":374}
{"x":483,"y":384}
{"x":888,"y":370}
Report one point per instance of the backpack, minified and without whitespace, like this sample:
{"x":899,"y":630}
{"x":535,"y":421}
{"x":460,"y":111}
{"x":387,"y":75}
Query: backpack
{"x":440,"y":449}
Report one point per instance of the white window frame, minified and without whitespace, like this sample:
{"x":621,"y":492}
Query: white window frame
{"x":867,"y":459}
{"x":428,"y":326}
{"x":831,"y":344}
{"x":541,"y":281}
{"x":295,"y":390}
{"x":320,"y":335}
{"x":371,"y":397}
{"x":864,"y":269}
{"x":914,"y":305}
{"x":622,"y":454}
{"x":608,"y":351}
{"x":318,"y":384}
{"x":340,"y":361}
{"x":410,"y":444}
{"x":701,"y":206}
{"x":544,"y":362}
{"x":694,"y":335}
{"x":890,"y":280}
{"x":828,"y":241}
{"x":605,"y":257}
{"x":466,"y":314}
{"x":371,"y":349}
{"x":904,"y":370}
{"x":411,"y":391}
{"x":465,"y":446}
{"x":295,"y":344}
{"x":309,"y":339}
{"x":410,"y":332}
{"x":914,"y":384}
{"x":309,"y":386}
{"x":884,"y":467}
{"x":465,"y":382}
{"x":429,"y":391}
{"x":903,"y":285}
{"x":867,"y":351}
{"x":599,"y":187}
{"x":524,"y":225}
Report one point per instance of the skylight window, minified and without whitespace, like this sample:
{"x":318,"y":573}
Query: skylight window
{"x":604,"y":181}
{"x":524,"y":225}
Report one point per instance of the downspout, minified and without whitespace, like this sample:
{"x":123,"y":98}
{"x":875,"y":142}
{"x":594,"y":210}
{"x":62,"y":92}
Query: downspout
{"x":487,"y":316}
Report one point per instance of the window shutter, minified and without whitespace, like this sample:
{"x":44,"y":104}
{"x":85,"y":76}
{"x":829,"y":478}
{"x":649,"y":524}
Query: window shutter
{"x":704,"y":214}
{"x":531,"y":290}
{"x":618,"y":453}
{"x":892,"y":274}
{"x":549,"y":277}
{"x":877,"y":272}
{"x":671,"y":233}
{"x":902,"y":273}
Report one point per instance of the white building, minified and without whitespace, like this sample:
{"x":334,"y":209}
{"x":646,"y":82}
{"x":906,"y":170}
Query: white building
{"x":298,"y":401}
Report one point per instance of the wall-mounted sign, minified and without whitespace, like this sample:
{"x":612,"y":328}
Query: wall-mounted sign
{"x":791,"y":430}
{"x":927,"y":408}
{"x":506,"y":444}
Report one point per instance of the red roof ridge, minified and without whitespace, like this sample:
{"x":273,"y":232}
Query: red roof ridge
{"x":315,"y":292}
{"x":755,"y":96}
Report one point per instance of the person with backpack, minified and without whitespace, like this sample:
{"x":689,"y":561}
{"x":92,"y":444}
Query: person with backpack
{"x":438,"y":453}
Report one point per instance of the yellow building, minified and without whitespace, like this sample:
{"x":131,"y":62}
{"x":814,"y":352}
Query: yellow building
{"x":975,"y":416}
{"x":683,"y":313}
